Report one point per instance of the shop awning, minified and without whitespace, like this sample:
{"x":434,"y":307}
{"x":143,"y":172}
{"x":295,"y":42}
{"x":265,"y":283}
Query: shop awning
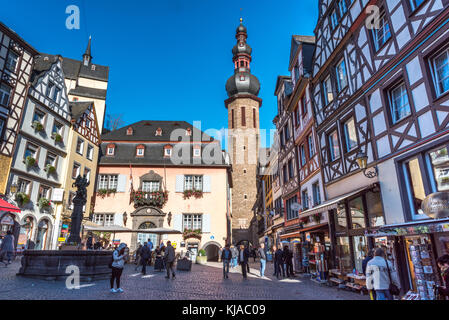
{"x":331,"y":204}
{"x":298,"y":233}
{"x":410,"y":228}
{"x":6,"y":206}
{"x":120,"y":229}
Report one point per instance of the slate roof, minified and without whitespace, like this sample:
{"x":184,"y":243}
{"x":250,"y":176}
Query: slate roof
{"x":42,"y":63}
{"x":307,"y":41}
{"x":16,"y":37}
{"x":89,"y":92}
{"x":145,"y":131}
{"x":77,"y":109}
{"x":74,"y":69}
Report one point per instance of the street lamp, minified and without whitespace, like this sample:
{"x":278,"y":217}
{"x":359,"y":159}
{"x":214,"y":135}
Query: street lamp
{"x":362,"y":161}
{"x":13,"y":188}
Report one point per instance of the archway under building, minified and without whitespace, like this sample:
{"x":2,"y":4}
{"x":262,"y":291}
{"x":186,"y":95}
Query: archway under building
{"x":212,"y":249}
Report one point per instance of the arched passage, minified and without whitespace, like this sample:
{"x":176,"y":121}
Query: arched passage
{"x":212,"y":249}
{"x":143,"y":237}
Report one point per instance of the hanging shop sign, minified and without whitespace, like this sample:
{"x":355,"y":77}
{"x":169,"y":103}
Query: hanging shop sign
{"x":436,"y":205}
{"x":57,"y":195}
{"x":7,"y":220}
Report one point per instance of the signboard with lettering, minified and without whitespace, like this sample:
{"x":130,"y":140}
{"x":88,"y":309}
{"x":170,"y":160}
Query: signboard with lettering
{"x":57,"y":195}
{"x":61,"y":239}
{"x":8,"y":220}
{"x":436,"y":205}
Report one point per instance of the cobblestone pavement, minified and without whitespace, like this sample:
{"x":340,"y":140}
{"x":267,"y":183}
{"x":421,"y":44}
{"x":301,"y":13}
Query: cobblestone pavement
{"x":202,"y":283}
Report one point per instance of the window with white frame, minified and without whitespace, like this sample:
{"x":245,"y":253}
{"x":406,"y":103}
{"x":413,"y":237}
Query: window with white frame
{"x":350,"y":134}
{"x":399,"y":104}
{"x":342,"y":80}
{"x":80,"y":146}
{"x":30,"y":151}
{"x":167,"y":152}
{"x":305,"y":200}
{"x":192,"y":222}
{"x":440,"y":66}
{"x":108,"y":219}
{"x":24,"y":186}
{"x":334,"y":146}
{"x":70,"y":200}
{"x":5,"y":95}
{"x":311,"y":146}
{"x":108,"y":181}
{"x":76,"y":170}
{"x":50,"y":88}
{"x":140,"y":151}
{"x":316,"y":194}
{"x":56,"y":94}
{"x":151,"y":186}
{"x":44,"y":192}
{"x":302,"y":152}
{"x":110,"y":150}
{"x":382,"y":34}
{"x":193,"y":182}
{"x":51,"y":159}
{"x":87,"y":173}
{"x":99,"y":219}
{"x":11,"y":61}
{"x":90,"y":152}
{"x":328,"y":95}
{"x":197,"y":152}
{"x":57,"y":128}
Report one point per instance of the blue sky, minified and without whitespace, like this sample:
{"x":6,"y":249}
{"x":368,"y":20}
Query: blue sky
{"x":170,"y":59}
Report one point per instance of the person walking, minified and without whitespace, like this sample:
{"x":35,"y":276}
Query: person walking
{"x":243,"y":260}
{"x":89,"y":242}
{"x":380,"y":276}
{"x":145,"y":255}
{"x":169,"y":258}
{"x":7,"y":247}
{"x":235,"y":254}
{"x":118,"y":263}
{"x":443,"y":264}
{"x":263,"y":259}
{"x":288,"y":261}
{"x":138,"y":258}
{"x":150,"y":246}
{"x":279,"y":263}
{"x":226,"y":256}
{"x":365,"y":261}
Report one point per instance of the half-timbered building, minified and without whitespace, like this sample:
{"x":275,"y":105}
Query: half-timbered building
{"x":380,"y":94}
{"x":16,"y":61}
{"x":82,"y":159}
{"x":39,"y":160}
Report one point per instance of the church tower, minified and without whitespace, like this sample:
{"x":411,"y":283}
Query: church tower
{"x":243,"y":138}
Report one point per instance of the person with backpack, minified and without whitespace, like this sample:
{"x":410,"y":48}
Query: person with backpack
{"x":381,"y":277}
{"x":118,"y":263}
{"x":226,"y":256}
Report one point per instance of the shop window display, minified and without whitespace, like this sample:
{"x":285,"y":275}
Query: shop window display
{"x":440,"y":166}
{"x":344,"y":254}
{"x":357,"y":213}
{"x":374,"y":208}
{"x":422,"y":266}
{"x":341,"y":222}
{"x":360,"y":252}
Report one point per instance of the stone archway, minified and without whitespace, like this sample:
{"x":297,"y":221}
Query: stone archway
{"x":43,"y":233}
{"x":212,"y":249}
{"x":145,"y":215}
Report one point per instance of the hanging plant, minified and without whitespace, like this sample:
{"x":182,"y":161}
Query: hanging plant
{"x":57,"y":137}
{"x":154,"y":199}
{"x":22,"y":198}
{"x":50,"y":169}
{"x":44,"y":203}
{"x":37,"y":126}
{"x":30,"y":161}
{"x":304,"y":220}
{"x":193,"y":193}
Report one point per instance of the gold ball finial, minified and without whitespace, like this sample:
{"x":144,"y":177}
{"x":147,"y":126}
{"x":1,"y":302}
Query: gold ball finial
{"x":241,"y":20}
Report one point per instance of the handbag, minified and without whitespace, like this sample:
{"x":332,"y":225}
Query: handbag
{"x":394,"y":290}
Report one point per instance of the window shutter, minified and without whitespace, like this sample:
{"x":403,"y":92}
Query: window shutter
{"x":206,"y":223}
{"x":179,"y":183}
{"x":121,"y":184}
{"x":177,"y":222}
{"x":206,"y":184}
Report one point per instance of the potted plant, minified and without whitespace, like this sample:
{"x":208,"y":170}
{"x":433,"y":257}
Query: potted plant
{"x":304,"y":220}
{"x":44,"y":203}
{"x":22,"y":198}
{"x":30,"y":161}
{"x":37,"y":126}
{"x":57,"y":137}
{"x":188,"y":194}
{"x":50,"y":169}
{"x":198,"y":194}
{"x":317,"y":217}
{"x":102,"y":193}
{"x":201,"y":258}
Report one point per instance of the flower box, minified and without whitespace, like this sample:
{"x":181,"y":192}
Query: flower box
{"x":22,"y":198}
{"x":317,"y":217}
{"x":50,"y":169}
{"x":44,"y":203}
{"x":57,"y":137}
{"x":30,"y":161}
{"x":153,"y":199}
{"x":102,"y":193}
{"x":188,"y":233}
{"x":37,"y":126}
{"x":193,"y":193}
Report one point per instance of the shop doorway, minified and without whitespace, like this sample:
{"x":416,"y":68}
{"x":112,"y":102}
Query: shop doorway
{"x":193,"y":249}
{"x":26,"y":233}
{"x":143,"y":237}
{"x":42,"y":232}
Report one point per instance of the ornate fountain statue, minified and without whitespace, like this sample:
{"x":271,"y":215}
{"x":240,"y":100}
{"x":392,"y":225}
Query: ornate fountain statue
{"x":79,"y":201}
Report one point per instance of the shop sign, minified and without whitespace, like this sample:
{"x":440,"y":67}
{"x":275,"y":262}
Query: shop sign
{"x":57,"y":195}
{"x":436,"y":205}
{"x":413,"y":230}
{"x":61,"y":239}
{"x":116,"y":242}
{"x":295,"y":206}
{"x":8,"y":220}
{"x":173,"y":243}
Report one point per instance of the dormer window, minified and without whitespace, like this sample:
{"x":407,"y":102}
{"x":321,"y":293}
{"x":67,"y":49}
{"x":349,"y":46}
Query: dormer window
{"x":140,"y":150}
{"x":188,"y":132}
{"x":129,"y":132}
{"x":197,"y":151}
{"x":168,"y":151}
{"x":110,"y":149}
{"x":93,"y":67}
{"x":159,"y":132}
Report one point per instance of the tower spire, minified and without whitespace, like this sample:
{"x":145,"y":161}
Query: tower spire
{"x":87,"y":56}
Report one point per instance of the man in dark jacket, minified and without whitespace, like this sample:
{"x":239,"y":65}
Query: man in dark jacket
{"x":169,"y":258}
{"x":288,"y":260}
{"x":145,"y":255}
{"x":226,"y":256}
{"x":7,"y":247}
{"x":243,"y":260}
{"x":366,"y":260}
{"x":279,"y":262}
